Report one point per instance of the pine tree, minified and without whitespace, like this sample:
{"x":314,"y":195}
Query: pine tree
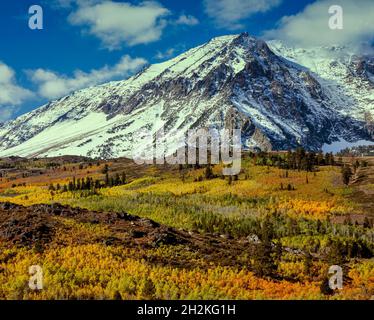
{"x":265,"y":262}
{"x":97,"y":184}
{"x":117,"y":180}
{"x":107,"y":179}
{"x":346,"y":174}
{"x":105,"y":169}
{"x":367,"y":223}
{"x":308,"y":263}
{"x":230,"y":181}
{"x":208,"y":172}
{"x":123,"y":178}
{"x":325,"y":287}
{"x":88,"y":183}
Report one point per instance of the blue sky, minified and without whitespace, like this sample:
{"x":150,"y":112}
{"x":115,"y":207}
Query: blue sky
{"x":86,"y":42}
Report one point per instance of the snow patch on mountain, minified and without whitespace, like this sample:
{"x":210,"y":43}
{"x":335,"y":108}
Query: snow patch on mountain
{"x":342,"y":144}
{"x":280,"y":97}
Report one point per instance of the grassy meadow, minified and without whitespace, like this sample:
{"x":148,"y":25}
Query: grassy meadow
{"x":303,"y":221}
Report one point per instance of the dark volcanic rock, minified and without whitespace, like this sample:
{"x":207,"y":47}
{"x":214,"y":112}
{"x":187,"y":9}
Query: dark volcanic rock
{"x":26,"y":227}
{"x":41,"y":226}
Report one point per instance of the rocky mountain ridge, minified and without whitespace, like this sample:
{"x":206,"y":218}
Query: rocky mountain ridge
{"x":280,"y":97}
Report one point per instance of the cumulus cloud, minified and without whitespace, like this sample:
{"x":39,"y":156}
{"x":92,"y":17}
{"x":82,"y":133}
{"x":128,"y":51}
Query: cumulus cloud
{"x":230,"y":13}
{"x":311,"y":26}
{"x":11,"y":94}
{"x":53,"y":85}
{"x":118,"y":23}
{"x":187,"y":20}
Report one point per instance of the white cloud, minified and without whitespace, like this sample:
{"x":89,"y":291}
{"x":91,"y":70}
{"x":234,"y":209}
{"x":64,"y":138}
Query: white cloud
{"x":311,"y":26}
{"x":166,"y":54}
{"x":230,"y":13}
{"x":65,"y":4}
{"x":62,"y":3}
{"x":7,"y":112}
{"x":53,"y":85}
{"x":117,"y":23}
{"x":11,"y":94}
{"x":187,"y":20}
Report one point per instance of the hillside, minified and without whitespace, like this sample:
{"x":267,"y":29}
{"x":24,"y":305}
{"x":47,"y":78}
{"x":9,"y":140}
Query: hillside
{"x":171,"y":232}
{"x":276,"y":96}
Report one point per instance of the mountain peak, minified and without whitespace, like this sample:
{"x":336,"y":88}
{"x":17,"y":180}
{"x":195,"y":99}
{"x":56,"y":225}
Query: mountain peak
{"x":277,"y":97}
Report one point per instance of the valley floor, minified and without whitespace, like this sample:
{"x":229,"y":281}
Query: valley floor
{"x":169,"y":232}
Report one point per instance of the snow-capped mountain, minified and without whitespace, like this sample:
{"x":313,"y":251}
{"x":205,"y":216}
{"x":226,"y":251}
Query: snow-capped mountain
{"x":344,"y":74}
{"x":279,"y":97}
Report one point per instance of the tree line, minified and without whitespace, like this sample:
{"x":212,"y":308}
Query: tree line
{"x":89,"y":183}
{"x":294,"y":160}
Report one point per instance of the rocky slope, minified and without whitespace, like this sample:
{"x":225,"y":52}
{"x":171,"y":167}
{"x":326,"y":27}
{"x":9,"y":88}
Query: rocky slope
{"x":275,"y":96}
{"x":348,"y":78}
{"x":42,"y":226}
